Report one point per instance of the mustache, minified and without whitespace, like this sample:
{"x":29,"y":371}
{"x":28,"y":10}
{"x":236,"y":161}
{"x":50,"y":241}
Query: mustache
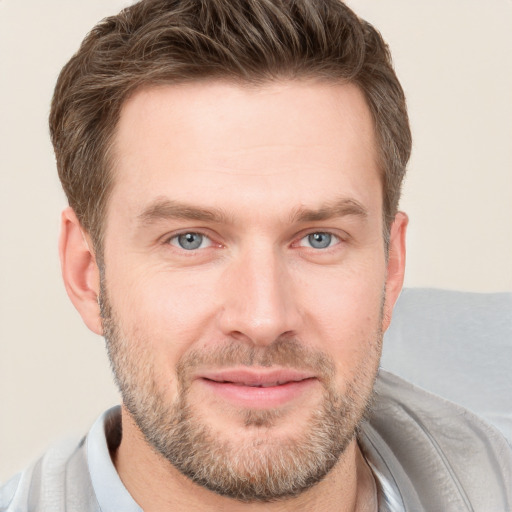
{"x":287,"y":352}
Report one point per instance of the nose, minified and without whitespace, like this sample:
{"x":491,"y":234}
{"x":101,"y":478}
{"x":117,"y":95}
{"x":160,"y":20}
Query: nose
{"x":258,"y":300}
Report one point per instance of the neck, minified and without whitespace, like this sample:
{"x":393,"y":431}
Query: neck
{"x":157,"y":486}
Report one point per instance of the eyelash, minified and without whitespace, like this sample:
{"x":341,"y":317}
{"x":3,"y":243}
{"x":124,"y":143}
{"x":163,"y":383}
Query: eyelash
{"x":176,"y":236}
{"x":296,"y":244}
{"x":332,"y":238}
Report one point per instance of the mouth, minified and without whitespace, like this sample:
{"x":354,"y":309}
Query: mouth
{"x":257,"y":388}
{"x":262,"y":385}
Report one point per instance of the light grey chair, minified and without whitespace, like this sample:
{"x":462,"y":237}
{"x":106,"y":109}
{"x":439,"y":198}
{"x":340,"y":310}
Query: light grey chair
{"x":457,"y":345}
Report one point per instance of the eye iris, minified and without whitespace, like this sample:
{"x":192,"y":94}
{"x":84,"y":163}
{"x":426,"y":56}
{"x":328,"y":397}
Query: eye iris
{"x":319,"y":240}
{"x":190,"y":241}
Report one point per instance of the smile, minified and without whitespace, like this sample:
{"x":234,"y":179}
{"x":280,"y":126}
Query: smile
{"x":258,"y":389}
{"x":263,"y":385}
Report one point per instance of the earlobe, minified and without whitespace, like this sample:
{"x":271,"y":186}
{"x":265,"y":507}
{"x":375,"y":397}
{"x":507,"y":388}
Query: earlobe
{"x":80,"y":270}
{"x":395,"y":265}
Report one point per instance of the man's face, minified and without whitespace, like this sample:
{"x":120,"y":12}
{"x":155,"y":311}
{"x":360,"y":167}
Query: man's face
{"x":245,"y":275}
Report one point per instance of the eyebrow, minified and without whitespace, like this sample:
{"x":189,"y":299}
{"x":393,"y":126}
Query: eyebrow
{"x":166,"y":209}
{"x":340,"y":208}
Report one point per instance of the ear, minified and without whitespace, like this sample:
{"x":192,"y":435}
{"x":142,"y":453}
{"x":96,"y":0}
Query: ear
{"x":395,"y":266}
{"x":79,"y":270}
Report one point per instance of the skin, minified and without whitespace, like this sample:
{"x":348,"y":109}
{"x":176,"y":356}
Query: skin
{"x":259,"y":155}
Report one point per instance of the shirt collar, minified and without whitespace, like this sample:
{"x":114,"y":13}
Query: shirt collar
{"x":110,"y":492}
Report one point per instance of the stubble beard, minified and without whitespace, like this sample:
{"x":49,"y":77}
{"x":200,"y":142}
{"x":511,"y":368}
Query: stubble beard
{"x":260,"y":467}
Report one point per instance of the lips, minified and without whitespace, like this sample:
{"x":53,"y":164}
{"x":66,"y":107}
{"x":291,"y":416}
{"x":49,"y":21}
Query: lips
{"x":257,"y":378}
{"x":263,"y":385}
{"x":257,"y":388}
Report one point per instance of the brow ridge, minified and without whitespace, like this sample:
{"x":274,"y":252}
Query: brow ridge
{"x":340,"y":208}
{"x":165,"y":209}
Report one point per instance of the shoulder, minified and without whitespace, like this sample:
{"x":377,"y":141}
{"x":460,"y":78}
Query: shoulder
{"x":48,"y":483}
{"x":443,"y":453}
{"x":7,"y":491}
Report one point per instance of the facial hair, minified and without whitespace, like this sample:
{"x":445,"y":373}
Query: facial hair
{"x":261,"y":467}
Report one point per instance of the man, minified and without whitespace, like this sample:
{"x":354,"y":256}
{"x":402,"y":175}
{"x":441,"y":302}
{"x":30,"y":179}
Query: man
{"x":233,"y":171}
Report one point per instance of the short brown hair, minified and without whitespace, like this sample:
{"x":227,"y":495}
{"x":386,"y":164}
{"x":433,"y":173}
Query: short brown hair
{"x":247,"y":41}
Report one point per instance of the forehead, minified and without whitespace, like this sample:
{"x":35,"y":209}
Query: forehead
{"x":289,"y":141}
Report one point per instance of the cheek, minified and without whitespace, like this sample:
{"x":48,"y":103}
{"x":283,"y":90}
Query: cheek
{"x":342,"y":311}
{"x":351,"y":295}
{"x":169,"y":308}
{"x":160,"y":316}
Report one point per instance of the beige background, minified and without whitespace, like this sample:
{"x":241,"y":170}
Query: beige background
{"x":454,"y":60}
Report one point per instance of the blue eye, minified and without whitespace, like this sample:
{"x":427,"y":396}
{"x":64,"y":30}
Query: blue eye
{"x":319,"y":240}
{"x":190,"y":241}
